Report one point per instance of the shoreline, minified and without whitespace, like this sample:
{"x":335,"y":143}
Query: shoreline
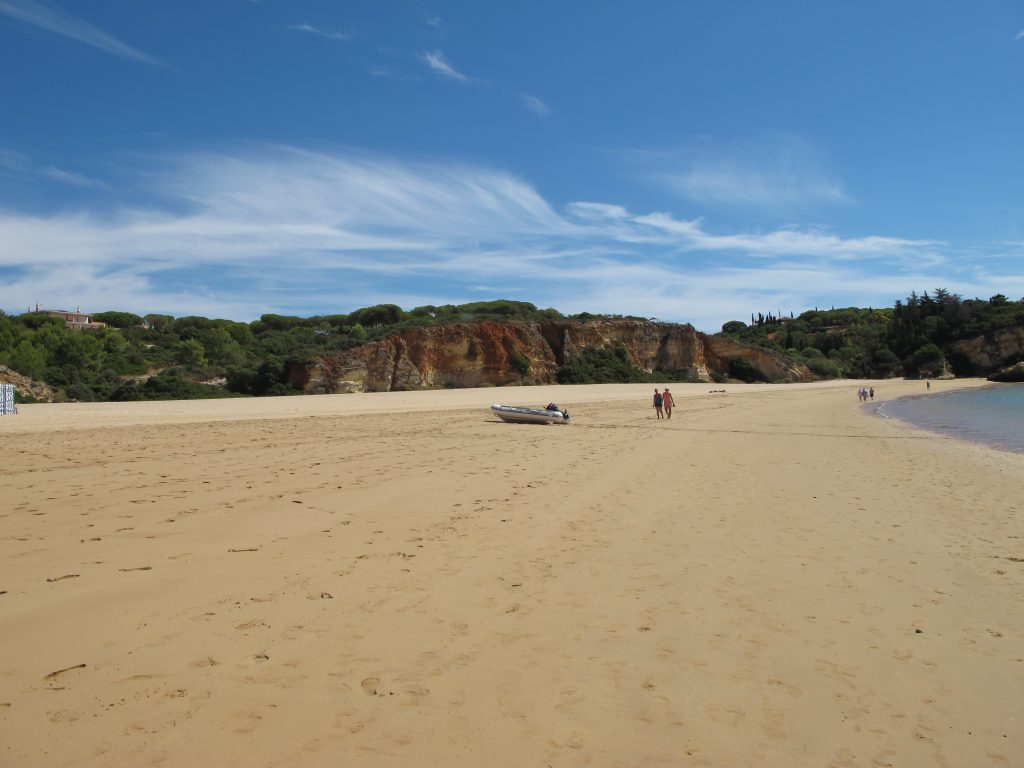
{"x":772,"y":577}
{"x":960,"y":430}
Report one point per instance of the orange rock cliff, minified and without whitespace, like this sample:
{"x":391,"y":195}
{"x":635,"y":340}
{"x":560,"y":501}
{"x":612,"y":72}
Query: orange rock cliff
{"x":502,"y":354}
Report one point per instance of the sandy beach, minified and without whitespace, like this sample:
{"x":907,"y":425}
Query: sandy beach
{"x":773,"y":577}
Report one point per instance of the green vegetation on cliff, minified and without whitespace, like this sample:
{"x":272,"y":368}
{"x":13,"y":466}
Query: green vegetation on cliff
{"x":159,"y":357}
{"x":162,"y":357}
{"x":601,"y":366}
{"x":914,"y":338}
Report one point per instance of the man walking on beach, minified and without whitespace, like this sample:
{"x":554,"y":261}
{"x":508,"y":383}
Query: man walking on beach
{"x":668,"y":401}
{"x":657,"y":403}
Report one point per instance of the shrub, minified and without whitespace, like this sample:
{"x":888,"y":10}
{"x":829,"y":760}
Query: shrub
{"x":927,"y":360}
{"x":118,"y":319}
{"x":80,"y":391}
{"x":734,"y":326}
{"x":744,"y":371}
{"x":824,"y":368}
{"x":600,"y":366}
{"x":520,"y":363}
{"x":169,"y":385}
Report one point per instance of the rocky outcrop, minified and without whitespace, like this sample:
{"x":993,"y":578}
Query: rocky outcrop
{"x":985,"y":354}
{"x":26,"y":387}
{"x":503,"y":354}
{"x":1009,"y":374}
{"x":722,"y":353}
{"x":435,"y":357}
{"x":651,"y":346}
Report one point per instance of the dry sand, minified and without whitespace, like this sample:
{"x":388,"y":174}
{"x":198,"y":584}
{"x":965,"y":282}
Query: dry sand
{"x":772,"y":578}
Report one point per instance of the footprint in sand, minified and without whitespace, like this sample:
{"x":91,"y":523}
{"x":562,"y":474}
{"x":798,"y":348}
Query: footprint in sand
{"x":370,"y":686}
{"x":789,"y":688}
{"x":252,"y":624}
{"x":414,"y":696}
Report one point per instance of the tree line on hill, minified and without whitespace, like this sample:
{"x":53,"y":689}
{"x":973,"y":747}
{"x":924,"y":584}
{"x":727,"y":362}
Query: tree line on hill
{"x":914,"y":338}
{"x":160,"y":357}
{"x":157,"y":357}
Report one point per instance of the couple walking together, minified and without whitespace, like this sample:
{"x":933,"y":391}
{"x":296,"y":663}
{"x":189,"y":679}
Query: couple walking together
{"x":663,"y":404}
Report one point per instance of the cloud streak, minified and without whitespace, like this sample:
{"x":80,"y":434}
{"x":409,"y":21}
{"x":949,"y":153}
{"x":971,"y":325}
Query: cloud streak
{"x":439,"y":65}
{"x":61,"y":23}
{"x":534,"y":104}
{"x":20,"y":164}
{"x":309,"y":29}
{"x":730,"y":184}
{"x":311,"y":232}
{"x":773,"y":173}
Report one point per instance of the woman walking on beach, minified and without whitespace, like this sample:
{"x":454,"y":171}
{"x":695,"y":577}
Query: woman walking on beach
{"x":657,"y":403}
{"x":668,"y":401}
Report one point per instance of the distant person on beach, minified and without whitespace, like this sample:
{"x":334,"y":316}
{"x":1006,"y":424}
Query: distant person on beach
{"x":871,"y":393}
{"x":658,"y":400}
{"x":927,"y":385}
{"x":669,"y":402}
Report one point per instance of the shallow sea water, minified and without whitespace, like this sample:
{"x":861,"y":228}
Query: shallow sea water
{"x":991,"y":415}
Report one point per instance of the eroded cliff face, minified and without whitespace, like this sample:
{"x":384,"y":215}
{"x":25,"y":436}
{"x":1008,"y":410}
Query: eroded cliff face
{"x":493,"y":354}
{"x":27,"y":387}
{"x":651,"y":346}
{"x":436,"y":357}
{"x":721,"y":353}
{"x":985,"y":354}
{"x":1010,"y":374}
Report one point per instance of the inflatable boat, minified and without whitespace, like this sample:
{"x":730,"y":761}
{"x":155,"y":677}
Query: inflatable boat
{"x":521,"y":415}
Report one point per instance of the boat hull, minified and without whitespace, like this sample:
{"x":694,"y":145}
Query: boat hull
{"x":520,"y":415}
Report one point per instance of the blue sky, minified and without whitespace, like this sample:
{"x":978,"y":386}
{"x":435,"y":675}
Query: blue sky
{"x":691,"y":161}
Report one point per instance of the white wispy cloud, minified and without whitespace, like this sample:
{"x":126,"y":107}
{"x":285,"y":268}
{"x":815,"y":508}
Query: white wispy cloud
{"x":59,"y":22}
{"x":13,"y":160}
{"x":597,"y":211}
{"x":788,"y":242}
{"x":534,"y":104}
{"x":728,"y":183}
{"x":69,"y":177}
{"x":439,"y":64}
{"x":21,"y":164}
{"x":771,"y":172}
{"x":279,"y":229}
{"x":309,"y":29}
{"x":1020,"y":35}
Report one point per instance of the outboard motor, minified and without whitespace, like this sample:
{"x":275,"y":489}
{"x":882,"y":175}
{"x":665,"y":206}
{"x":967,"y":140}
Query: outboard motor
{"x":554,"y":407}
